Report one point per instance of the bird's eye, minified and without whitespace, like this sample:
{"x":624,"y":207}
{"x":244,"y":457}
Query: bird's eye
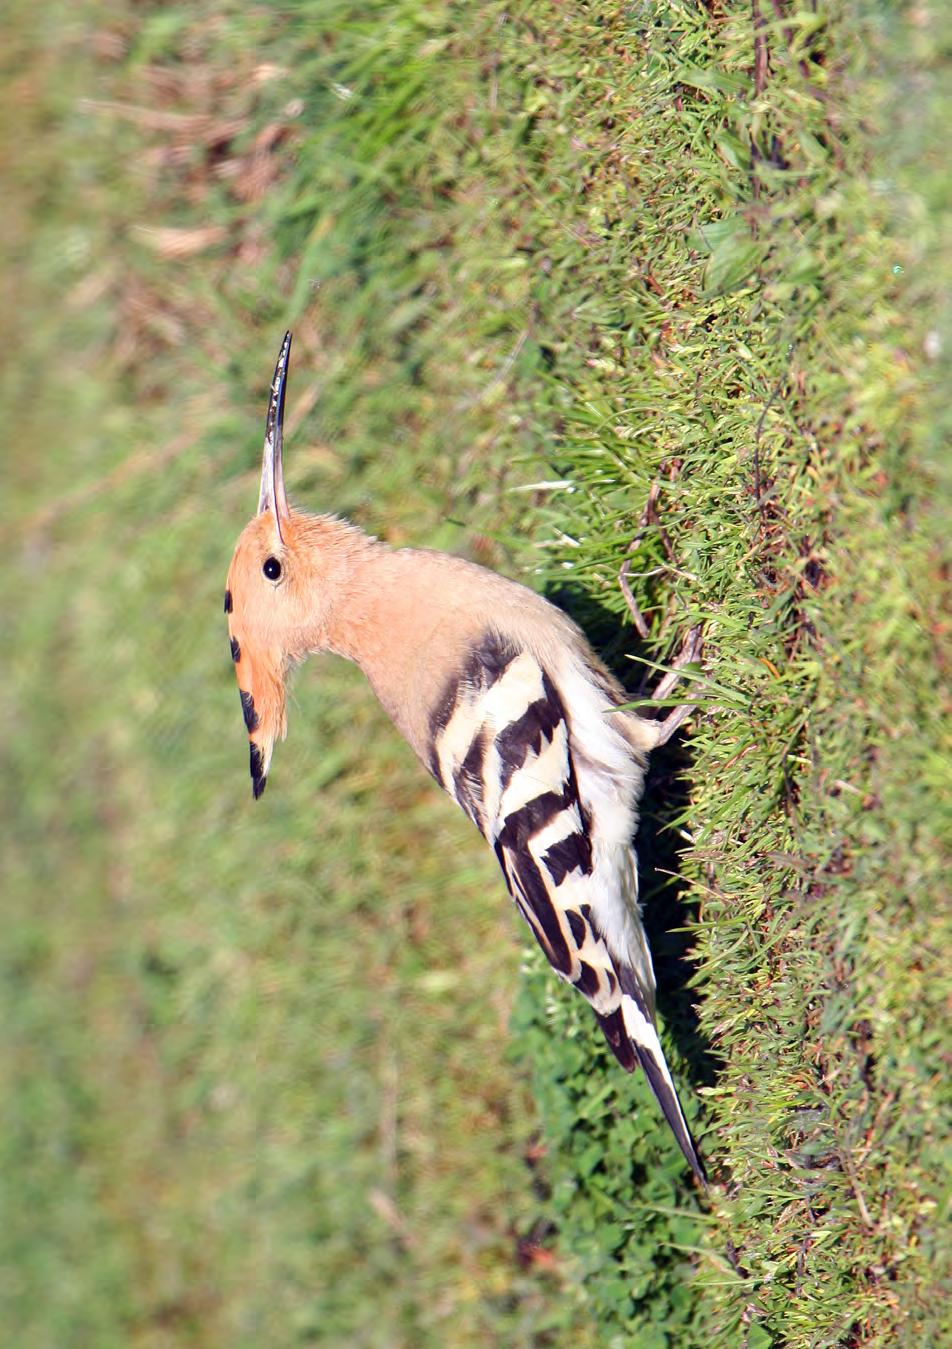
{"x":272,"y":568}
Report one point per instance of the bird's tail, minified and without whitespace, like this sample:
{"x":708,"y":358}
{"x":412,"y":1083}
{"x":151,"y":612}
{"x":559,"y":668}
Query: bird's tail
{"x":643,"y":1039}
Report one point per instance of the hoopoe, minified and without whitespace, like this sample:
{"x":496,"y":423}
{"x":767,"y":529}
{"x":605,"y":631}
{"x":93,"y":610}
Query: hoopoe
{"x":503,"y":700}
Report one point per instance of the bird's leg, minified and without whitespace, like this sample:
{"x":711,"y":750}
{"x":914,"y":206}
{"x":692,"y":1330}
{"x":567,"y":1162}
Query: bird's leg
{"x":690,"y":651}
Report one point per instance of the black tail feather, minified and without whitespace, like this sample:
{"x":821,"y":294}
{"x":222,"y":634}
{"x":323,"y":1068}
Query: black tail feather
{"x":667,"y":1098}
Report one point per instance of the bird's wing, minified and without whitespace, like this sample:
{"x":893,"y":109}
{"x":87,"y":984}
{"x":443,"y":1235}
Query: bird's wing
{"x":501,"y":746}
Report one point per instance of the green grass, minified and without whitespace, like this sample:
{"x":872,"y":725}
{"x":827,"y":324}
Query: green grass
{"x":269,"y":1084}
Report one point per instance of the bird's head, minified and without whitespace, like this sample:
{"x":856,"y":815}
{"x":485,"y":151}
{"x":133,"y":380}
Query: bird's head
{"x":268,"y":596}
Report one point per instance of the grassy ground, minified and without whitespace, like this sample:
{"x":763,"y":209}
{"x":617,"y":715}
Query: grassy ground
{"x":264,"y":1088}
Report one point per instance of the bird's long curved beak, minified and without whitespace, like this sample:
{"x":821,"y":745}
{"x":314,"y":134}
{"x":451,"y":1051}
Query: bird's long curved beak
{"x":272,"y":497}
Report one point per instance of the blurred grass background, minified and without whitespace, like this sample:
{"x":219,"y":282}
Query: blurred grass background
{"x":273,"y":1075}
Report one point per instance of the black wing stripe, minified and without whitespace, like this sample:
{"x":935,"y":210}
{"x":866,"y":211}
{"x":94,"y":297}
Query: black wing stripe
{"x":580,"y":929}
{"x":588,"y":981}
{"x":440,"y":718}
{"x":543,"y":917}
{"x":529,"y":732}
{"x":573,"y":853}
{"x":523,"y":824}
{"x":468,"y":779}
{"x":613,"y":1028}
{"x":485,"y":665}
{"x":489,"y":661}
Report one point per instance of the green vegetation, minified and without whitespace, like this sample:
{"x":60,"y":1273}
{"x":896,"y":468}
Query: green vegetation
{"x":272,"y":1074}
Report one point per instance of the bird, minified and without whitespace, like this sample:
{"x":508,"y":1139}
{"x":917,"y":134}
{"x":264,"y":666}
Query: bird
{"x":501,"y":697}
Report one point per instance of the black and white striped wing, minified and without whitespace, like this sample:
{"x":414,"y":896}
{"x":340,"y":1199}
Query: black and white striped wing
{"x":501,"y":746}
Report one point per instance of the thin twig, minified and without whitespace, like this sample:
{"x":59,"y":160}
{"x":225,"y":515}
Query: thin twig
{"x":758,"y":484}
{"x":501,"y":374}
{"x":690,"y":651}
{"x":638,"y":617}
{"x":847,"y":1163}
{"x":761,"y":54}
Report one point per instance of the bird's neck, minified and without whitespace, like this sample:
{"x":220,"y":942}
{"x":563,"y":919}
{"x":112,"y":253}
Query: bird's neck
{"x":388,"y":609}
